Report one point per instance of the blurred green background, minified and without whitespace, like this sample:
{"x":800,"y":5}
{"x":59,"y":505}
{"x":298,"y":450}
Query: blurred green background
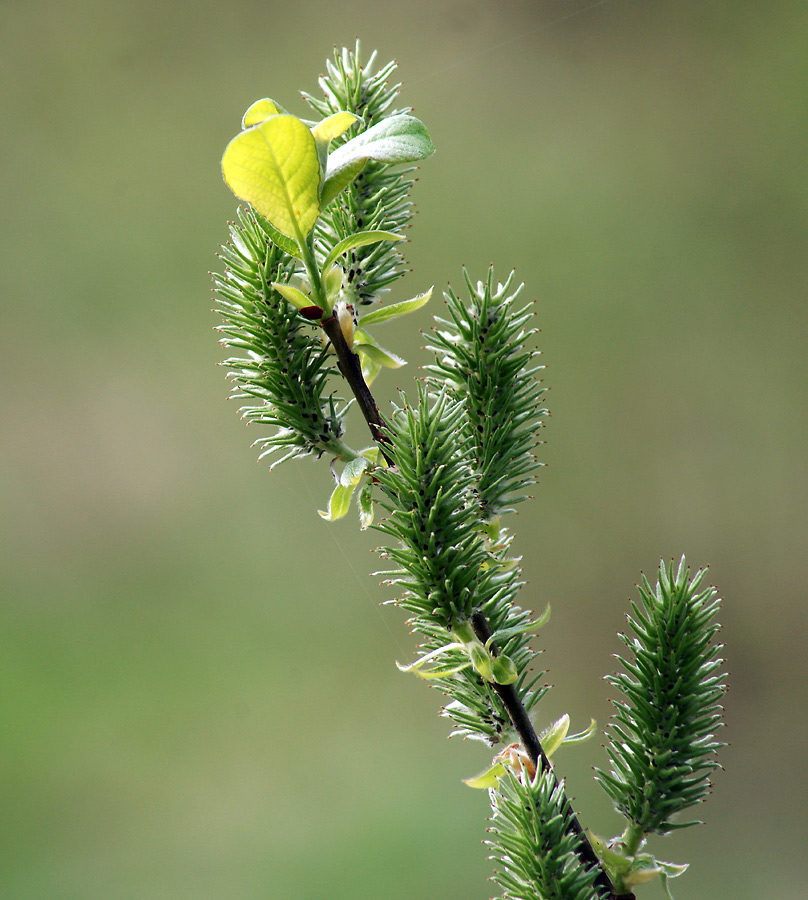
{"x":198,"y":691}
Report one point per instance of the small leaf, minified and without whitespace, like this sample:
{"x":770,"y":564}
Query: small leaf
{"x":332,"y":282}
{"x":445,"y":671}
{"x":353,"y":471}
{"x":294,"y":295}
{"x":359,"y":240}
{"x":274,"y":167}
{"x":504,"y":634}
{"x":372,"y":454}
{"x":440,"y":671}
{"x":333,"y":126}
{"x":383,"y":313}
{"x":581,"y":736}
{"x":504,"y":669}
{"x":368,"y":345}
{"x":488,"y":779}
{"x":481,"y":660}
{"x":366,"y":506}
{"x":260,"y":110}
{"x":370,"y":369}
{"x":553,"y":738}
{"x":673,"y":870}
{"x":645,"y":868}
{"x":339,"y":503}
{"x":324,"y":132}
{"x":281,"y":240}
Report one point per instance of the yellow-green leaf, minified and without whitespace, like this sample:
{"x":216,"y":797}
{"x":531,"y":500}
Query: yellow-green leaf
{"x":504,"y":670}
{"x":554,"y":736}
{"x":362,"y":239}
{"x":353,"y":470}
{"x":488,"y":779}
{"x":333,"y":126}
{"x":294,"y":295}
{"x":366,"y":345}
{"x":339,"y":503}
{"x":336,"y":182}
{"x":366,"y":506}
{"x":398,"y":139}
{"x":370,"y":369}
{"x":274,"y":167}
{"x":260,"y":110}
{"x":383,"y":313}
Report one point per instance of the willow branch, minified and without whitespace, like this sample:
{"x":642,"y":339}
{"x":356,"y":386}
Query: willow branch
{"x":530,"y":741}
{"x":351,"y":368}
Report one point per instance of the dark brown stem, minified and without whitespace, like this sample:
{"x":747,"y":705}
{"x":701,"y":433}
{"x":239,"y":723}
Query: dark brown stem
{"x":530,"y":740}
{"x":351,"y":368}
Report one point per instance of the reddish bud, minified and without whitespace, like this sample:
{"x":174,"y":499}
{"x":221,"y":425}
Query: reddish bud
{"x":312,"y":312}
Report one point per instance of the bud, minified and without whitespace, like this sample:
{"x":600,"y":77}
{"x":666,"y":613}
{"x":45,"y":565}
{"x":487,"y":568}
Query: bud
{"x":346,"y":322}
{"x":312,"y":312}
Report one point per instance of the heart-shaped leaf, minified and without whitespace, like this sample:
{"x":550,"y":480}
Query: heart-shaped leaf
{"x":274,"y":167}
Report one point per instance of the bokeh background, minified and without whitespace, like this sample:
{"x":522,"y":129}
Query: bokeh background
{"x":199,"y":700}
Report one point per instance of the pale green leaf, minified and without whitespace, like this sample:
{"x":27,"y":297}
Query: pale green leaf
{"x":481,"y":660}
{"x":370,"y":369}
{"x":673,"y":870}
{"x":488,"y":779}
{"x":260,"y":110}
{"x":582,"y":736}
{"x":439,"y":671}
{"x":366,"y":506}
{"x":333,"y":126}
{"x":274,"y":167}
{"x":379,"y":356}
{"x":383,"y":313}
{"x":336,"y":182}
{"x":324,"y":132}
{"x":294,"y":295}
{"x":372,"y":454}
{"x":503,"y":669}
{"x":353,"y":470}
{"x":444,"y":671}
{"x":554,"y":736}
{"x":332,"y":282}
{"x":359,"y":240}
{"x":397,"y":139}
{"x":285,"y":243}
{"x":339,"y":503}
{"x":365,"y":344}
